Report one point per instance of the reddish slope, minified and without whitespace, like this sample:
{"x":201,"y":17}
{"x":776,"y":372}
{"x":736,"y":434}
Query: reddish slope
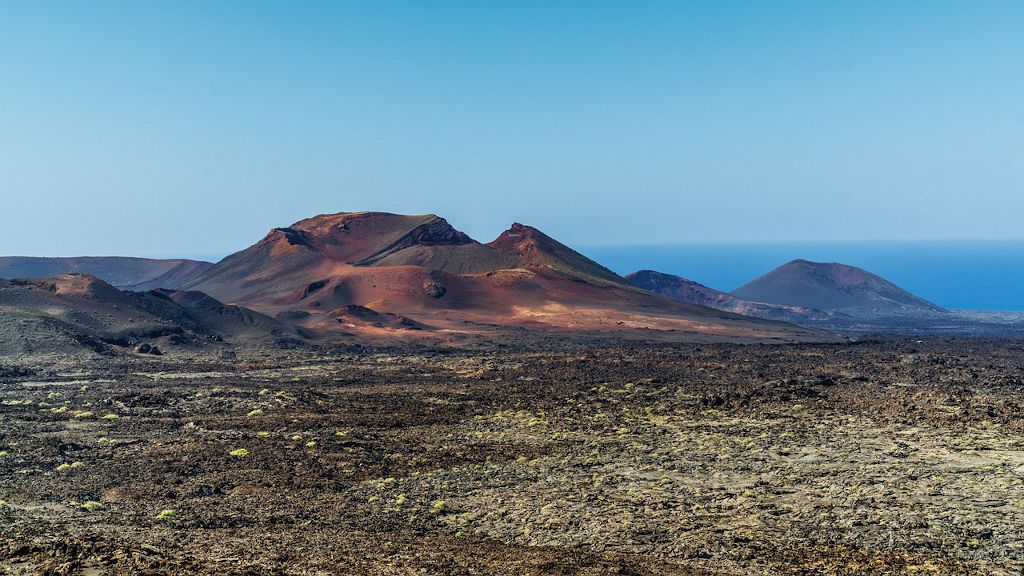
{"x":310,"y":250}
{"x":421,"y":269}
{"x":289,"y":259}
{"x":529,"y":248}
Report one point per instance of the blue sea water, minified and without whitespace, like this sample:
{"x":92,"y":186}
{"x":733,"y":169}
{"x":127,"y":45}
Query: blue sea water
{"x":956,"y":275}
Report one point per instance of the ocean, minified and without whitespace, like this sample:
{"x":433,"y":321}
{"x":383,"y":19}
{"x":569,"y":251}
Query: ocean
{"x":982,"y":276}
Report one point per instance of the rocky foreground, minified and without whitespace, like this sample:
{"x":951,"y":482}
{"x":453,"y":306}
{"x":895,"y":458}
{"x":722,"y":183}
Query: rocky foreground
{"x":888,"y":457}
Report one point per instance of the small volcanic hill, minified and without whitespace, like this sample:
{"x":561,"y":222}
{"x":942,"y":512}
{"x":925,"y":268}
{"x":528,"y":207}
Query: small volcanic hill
{"x":74,"y":312}
{"x":833,"y":288}
{"x":382,"y":273}
{"x":526,"y":247}
{"x":122,"y":272}
{"x":683,"y":290}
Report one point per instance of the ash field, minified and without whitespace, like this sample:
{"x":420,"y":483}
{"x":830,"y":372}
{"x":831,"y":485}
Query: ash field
{"x":884,"y":456}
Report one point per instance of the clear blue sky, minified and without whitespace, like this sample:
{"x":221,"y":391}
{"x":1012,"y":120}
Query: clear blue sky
{"x":151,"y":128}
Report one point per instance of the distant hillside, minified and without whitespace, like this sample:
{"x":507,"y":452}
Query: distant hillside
{"x":833,"y":288}
{"x":74,"y":312}
{"x":122,"y":272}
{"x":683,"y":290}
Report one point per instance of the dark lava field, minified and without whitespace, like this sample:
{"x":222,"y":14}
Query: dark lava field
{"x":888,"y":456}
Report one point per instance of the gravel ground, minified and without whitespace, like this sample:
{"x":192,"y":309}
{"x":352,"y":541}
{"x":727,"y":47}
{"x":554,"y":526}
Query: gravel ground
{"x":883,"y":457}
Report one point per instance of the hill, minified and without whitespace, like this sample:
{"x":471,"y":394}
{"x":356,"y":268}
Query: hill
{"x":683,"y":290}
{"x":423,"y":271}
{"x":122,"y":272}
{"x":74,"y":312}
{"x":833,"y":287}
{"x":526,"y":247}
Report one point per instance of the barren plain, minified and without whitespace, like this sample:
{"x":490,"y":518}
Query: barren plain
{"x":888,"y":456}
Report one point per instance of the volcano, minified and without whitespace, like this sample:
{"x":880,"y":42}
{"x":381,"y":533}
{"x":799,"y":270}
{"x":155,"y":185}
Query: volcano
{"x":834,"y":287}
{"x":434,"y":277}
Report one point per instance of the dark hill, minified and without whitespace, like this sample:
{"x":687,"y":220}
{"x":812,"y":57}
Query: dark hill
{"x":683,"y":290}
{"x":834,"y":288}
{"x":122,"y":272}
{"x":75,"y":312}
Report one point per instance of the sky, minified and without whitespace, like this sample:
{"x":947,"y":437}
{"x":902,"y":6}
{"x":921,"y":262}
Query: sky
{"x":192,"y":128}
